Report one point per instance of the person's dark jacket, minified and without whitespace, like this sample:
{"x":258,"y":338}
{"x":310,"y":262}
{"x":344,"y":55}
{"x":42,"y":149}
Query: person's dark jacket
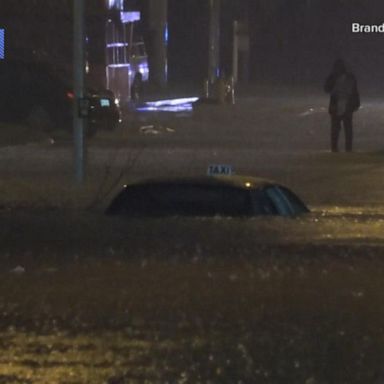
{"x":353,"y":102}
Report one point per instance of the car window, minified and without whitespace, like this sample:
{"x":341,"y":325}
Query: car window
{"x":297,"y":206}
{"x":262,"y":204}
{"x":141,"y":50}
{"x":279,"y":200}
{"x":135,"y":50}
{"x":179,"y":199}
{"x":205,"y":200}
{"x":285,"y":201}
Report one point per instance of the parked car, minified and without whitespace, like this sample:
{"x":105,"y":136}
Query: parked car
{"x":104,"y":111}
{"x":30,"y":92}
{"x":206,"y":196}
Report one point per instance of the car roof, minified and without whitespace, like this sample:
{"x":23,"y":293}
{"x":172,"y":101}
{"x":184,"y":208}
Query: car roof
{"x":237,"y":181}
{"x":103,"y":93}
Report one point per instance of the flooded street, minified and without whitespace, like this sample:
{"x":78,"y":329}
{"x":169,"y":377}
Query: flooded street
{"x":87,"y":298}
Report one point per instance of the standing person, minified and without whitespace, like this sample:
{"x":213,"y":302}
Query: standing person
{"x":137,"y":87}
{"x":344,"y":100}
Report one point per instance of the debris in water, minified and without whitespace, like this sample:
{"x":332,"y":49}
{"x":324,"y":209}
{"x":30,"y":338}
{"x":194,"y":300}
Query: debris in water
{"x":18,"y":270}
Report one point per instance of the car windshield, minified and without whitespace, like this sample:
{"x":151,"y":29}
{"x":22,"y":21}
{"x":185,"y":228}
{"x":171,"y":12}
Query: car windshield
{"x":191,"y":192}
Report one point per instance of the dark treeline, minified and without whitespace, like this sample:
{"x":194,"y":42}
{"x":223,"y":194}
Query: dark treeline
{"x":42,"y":31}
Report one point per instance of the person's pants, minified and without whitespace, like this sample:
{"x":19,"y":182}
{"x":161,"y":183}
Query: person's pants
{"x":336,"y":122}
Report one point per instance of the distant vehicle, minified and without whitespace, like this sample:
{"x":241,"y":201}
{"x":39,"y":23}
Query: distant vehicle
{"x":104,"y":111}
{"x":126,"y":55}
{"x":32,"y":93}
{"x":206,"y":196}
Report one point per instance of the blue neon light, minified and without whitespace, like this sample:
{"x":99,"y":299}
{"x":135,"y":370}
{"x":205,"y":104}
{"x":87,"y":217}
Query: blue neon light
{"x":168,"y":108}
{"x":172,"y":102}
{"x":2,"y":44}
{"x":117,"y":45}
{"x":121,"y":65}
{"x":170,"y":105}
{"x":166,"y":33}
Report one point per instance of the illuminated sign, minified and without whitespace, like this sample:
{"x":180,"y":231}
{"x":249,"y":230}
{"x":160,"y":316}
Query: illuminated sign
{"x":2,"y":44}
{"x":219,"y":170}
{"x":129,"y":17}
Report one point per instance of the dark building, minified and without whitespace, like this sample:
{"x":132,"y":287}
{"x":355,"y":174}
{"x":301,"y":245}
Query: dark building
{"x":189,"y":29}
{"x":41,"y":31}
{"x":291,"y":41}
{"x":296,"y":41}
{"x":188,"y":40}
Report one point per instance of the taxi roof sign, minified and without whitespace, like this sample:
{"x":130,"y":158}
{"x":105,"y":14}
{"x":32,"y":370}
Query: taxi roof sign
{"x":219,"y":170}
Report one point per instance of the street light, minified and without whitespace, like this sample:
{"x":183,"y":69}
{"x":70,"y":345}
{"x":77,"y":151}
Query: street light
{"x":214,"y":41}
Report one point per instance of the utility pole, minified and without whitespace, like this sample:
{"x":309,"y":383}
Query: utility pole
{"x":158,"y":15}
{"x":214,"y":41}
{"x":78,"y":88}
{"x":235,"y":51}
